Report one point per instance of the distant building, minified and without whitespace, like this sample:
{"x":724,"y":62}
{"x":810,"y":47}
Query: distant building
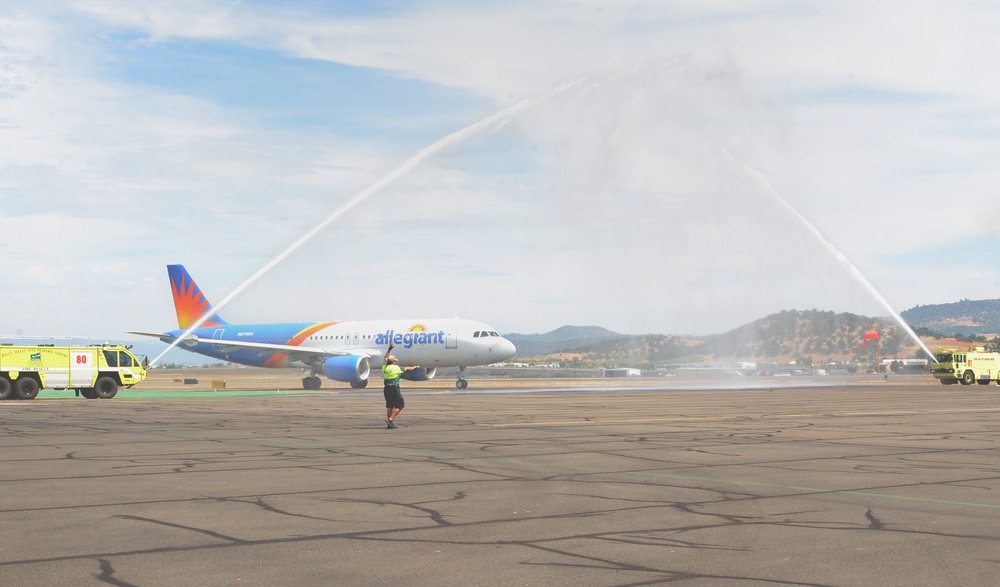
{"x":622,"y":372}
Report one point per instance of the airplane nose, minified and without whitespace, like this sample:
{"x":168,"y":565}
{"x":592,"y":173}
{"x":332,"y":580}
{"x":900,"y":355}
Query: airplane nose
{"x":506,"y":349}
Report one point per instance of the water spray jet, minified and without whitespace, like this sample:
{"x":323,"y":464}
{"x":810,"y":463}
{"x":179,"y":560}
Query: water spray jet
{"x":493,"y":122}
{"x":846,"y":263}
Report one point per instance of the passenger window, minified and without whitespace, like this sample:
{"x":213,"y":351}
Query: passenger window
{"x":126,"y":360}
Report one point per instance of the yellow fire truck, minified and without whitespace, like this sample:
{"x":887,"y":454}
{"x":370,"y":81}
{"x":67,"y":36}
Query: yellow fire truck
{"x":95,"y":371}
{"x":954,"y":366}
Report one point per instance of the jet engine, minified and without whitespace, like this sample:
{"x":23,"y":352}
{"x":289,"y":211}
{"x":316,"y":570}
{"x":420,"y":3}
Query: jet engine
{"x":349,"y":369}
{"x":420,"y":374}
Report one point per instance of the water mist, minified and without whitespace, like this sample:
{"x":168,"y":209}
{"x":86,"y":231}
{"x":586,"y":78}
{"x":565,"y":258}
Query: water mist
{"x":846,"y":263}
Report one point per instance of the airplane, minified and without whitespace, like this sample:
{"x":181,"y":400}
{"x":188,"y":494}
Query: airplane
{"x":342,"y":351}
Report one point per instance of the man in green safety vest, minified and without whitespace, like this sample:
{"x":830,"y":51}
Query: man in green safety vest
{"x":391,"y":372}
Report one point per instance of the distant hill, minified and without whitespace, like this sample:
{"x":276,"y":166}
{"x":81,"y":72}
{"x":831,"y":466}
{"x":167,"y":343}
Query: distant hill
{"x":964,"y":317}
{"x":811,"y":333}
{"x":644,"y":348}
{"x":560,"y":339}
{"x":786,"y":336}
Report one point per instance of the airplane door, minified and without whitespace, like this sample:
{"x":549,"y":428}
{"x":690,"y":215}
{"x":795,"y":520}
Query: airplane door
{"x":217,"y":335}
{"x":450,"y":341}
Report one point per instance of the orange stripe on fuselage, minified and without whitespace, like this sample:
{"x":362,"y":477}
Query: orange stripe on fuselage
{"x":278,"y":359}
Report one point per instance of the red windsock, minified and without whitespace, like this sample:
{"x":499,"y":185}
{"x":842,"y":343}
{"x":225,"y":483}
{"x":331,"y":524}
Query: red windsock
{"x":870,"y":335}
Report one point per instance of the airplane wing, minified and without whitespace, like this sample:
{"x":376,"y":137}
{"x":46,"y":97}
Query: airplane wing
{"x":151,"y":334}
{"x":308,"y":355}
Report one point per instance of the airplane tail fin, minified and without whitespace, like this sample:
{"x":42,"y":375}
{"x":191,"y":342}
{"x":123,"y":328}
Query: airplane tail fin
{"x":189,"y":302}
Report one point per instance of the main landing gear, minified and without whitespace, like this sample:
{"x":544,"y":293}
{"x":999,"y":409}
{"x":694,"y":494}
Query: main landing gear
{"x":461,"y":383}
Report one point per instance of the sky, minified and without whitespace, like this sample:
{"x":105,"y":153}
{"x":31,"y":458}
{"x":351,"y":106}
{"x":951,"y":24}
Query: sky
{"x":633,"y":183}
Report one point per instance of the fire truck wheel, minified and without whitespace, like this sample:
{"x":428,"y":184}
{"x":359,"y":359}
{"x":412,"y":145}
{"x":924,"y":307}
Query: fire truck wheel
{"x":968,"y":377}
{"x":5,"y":388}
{"x":27,"y":388}
{"x":106,"y":387}
{"x":88,"y":392}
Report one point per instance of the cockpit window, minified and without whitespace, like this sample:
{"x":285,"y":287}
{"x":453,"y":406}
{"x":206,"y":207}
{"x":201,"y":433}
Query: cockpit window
{"x":475,"y":334}
{"x":493,"y":333}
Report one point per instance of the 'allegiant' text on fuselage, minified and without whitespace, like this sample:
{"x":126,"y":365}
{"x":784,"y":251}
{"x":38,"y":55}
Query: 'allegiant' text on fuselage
{"x":410,"y":338}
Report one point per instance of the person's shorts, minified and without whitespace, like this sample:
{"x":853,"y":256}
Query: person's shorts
{"x":393,"y":397}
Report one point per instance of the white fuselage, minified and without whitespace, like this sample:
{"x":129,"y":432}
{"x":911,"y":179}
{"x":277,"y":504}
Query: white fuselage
{"x":428,"y":343}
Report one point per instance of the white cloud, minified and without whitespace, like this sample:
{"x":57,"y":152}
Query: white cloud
{"x":610,"y":200}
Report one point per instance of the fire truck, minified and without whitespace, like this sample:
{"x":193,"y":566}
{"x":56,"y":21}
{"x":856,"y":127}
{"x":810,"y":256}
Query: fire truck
{"x":95,"y":371}
{"x":954,"y":366}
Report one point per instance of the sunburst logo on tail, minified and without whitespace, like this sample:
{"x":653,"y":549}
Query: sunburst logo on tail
{"x":190,"y":304}
{"x":418,"y":328}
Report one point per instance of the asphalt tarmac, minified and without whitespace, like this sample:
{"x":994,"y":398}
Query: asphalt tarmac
{"x":864,"y":484}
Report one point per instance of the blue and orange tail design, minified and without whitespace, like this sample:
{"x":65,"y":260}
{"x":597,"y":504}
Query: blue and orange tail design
{"x":189,"y":302}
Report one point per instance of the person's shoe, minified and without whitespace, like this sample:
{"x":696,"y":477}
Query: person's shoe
{"x":390,"y":426}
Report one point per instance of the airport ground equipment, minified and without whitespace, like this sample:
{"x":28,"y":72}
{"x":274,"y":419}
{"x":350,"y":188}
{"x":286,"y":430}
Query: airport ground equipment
{"x":95,"y":371}
{"x":954,"y":366}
